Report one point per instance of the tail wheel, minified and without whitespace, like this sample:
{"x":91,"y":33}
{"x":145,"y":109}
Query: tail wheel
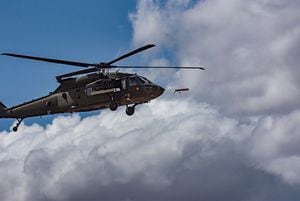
{"x":113,"y":106}
{"x":15,"y":128}
{"x":130,"y":111}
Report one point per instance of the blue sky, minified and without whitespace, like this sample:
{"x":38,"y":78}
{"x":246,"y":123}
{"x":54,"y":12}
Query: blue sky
{"x":91,"y":31}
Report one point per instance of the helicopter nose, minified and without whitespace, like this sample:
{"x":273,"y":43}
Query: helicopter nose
{"x":159,"y":90}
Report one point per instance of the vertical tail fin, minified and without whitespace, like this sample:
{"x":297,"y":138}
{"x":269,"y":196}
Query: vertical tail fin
{"x":2,"y":108}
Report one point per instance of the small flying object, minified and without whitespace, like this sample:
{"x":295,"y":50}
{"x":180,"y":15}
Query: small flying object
{"x":94,"y":88}
{"x":181,"y":90}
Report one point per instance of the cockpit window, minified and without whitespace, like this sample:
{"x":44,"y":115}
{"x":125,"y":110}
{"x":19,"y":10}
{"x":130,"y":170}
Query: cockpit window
{"x":143,"y":80}
{"x":132,"y":81}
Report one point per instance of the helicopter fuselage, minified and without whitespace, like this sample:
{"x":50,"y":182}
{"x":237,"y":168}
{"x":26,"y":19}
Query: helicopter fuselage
{"x":87,"y":93}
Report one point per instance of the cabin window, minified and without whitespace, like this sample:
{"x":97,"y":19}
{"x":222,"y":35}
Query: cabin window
{"x":123,"y":83}
{"x":98,"y":87}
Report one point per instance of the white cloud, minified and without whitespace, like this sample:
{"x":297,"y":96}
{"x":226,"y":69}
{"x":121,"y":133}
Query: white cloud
{"x":249,"y":49}
{"x":110,"y":148}
{"x":169,"y":148}
{"x":275,"y":146}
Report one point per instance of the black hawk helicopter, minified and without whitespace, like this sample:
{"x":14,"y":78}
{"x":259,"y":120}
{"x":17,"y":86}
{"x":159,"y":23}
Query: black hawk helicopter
{"x":95,"y":89}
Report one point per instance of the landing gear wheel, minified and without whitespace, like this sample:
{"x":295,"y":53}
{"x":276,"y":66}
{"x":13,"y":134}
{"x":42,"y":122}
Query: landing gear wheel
{"x":113,"y":106}
{"x":15,"y":129}
{"x":130,"y":111}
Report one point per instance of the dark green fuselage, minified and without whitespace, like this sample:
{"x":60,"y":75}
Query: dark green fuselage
{"x":86,"y":93}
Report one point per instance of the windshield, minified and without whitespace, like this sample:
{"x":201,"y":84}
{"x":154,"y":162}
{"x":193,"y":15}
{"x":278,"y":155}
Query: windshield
{"x":143,"y":80}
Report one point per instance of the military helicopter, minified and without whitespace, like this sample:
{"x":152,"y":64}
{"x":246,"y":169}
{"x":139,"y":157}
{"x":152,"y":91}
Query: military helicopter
{"x":95,"y":88}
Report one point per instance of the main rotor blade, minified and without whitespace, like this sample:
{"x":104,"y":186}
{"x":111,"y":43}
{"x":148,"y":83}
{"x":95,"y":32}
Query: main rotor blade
{"x":90,"y":70}
{"x":163,"y":67}
{"x":130,"y":54}
{"x":58,"y":61}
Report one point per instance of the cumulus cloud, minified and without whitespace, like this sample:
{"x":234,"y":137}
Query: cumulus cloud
{"x":250,"y":50}
{"x":170,"y":150}
{"x":275,"y":145}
